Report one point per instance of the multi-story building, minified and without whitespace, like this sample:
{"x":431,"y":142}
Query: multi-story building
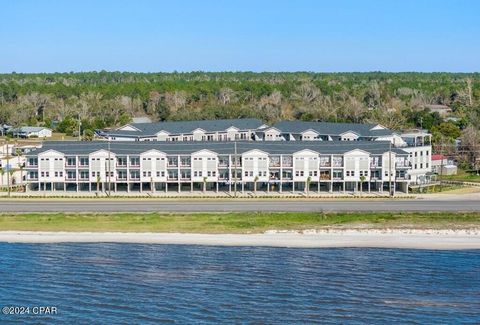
{"x":201,"y":130}
{"x":330,"y":166}
{"x":417,"y":143}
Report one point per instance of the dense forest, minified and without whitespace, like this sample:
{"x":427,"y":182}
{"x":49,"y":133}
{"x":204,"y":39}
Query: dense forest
{"x":107,"y":99}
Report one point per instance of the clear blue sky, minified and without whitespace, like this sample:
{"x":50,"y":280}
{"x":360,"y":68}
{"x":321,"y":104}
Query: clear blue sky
{"x":234,"y":35}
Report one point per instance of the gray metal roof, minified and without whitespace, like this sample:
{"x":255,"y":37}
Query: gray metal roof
{"x":177,"y":127}
{"x":271,"y":147}
{"x":329,"y":128}
{"x":29,"y":129}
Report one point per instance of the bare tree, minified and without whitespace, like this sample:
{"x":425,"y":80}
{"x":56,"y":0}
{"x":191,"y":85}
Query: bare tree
{"x":470,"y":91}
{"x":307,"y":92}
{"x":225,"y":95}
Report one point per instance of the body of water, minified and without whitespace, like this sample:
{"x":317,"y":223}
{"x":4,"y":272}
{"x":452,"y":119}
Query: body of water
{"x":131,"y":284}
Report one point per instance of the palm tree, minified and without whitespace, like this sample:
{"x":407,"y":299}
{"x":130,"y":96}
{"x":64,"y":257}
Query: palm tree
{"x":99,"y":179}
{"x":307,"y":185}
{"x":362,"y":179}
{"x":2,"y":172}
{"x":204,"y":184}
{"x":21,"y":168}
{"x":255,"y":180}
{"x":11,"y":171}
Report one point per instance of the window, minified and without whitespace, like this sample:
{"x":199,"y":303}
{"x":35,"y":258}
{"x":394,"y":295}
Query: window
{"x":83,"y":161}
{"x":71,"y":161}
{"x":134,"y":161}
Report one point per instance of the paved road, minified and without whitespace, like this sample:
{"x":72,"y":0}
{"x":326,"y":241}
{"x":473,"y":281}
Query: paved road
{"x":227,"y":206}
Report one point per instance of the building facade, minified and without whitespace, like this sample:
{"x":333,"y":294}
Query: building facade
{"x":416,"y":142}
{"x":334,"y":166}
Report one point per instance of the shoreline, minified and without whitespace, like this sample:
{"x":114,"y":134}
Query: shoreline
{"x":328,"y":238}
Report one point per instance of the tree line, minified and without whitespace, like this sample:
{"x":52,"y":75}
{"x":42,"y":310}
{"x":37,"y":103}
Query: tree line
{"x":108,"y":99}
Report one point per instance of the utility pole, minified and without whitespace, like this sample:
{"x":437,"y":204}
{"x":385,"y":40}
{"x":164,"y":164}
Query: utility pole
{"x":390,"y":170}
{"x":109,"y":169}
{"x":79,"y":128}
{"x":235,"y":168}
{"x":441,"y":165}
{"x":8,"y":171}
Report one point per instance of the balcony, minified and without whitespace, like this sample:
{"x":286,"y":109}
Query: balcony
{"x":377,"y":165}
{"x":403,"y":165}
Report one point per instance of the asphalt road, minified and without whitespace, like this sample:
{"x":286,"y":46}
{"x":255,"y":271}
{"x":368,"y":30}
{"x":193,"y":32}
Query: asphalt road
{"x":230,"y":206}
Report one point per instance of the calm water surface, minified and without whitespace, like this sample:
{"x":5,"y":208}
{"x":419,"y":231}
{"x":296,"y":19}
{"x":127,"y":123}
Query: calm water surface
{"x":131,"y":284}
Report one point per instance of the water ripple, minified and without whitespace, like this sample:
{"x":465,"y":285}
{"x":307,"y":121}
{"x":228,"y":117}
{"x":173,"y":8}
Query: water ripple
{"x":152,"y":284}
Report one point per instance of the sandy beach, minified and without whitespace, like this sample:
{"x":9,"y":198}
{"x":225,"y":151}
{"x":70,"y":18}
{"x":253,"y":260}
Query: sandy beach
{"x":388,"y":238}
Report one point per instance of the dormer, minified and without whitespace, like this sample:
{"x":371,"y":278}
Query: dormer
{"x":198,"y":134}
{"x":309,"y":135}
{"x":349,"y":136}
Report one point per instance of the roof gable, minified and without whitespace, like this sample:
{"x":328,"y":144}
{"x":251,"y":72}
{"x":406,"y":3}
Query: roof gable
{"x":101,"y":153}
{"x":307,"y":152}
{"x":255,"y":152}
{"x":153,"y":152}
{"x":51,"y":152}
{"x":357,"y":152}
{"x":204,"y":152}
{"x":128,"y":127}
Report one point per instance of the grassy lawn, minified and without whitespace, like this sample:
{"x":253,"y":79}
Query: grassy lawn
{"x":462,"y":175}
{"x":233,"y":222}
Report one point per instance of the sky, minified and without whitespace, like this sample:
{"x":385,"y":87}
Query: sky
{"x":239,"y":35}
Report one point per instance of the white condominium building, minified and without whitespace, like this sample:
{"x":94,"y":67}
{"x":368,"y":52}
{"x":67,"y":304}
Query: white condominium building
{"x":416,"y":143}
{"x":316,"y":166}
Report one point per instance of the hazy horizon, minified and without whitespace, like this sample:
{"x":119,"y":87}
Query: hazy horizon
{"x":215,"y":36}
